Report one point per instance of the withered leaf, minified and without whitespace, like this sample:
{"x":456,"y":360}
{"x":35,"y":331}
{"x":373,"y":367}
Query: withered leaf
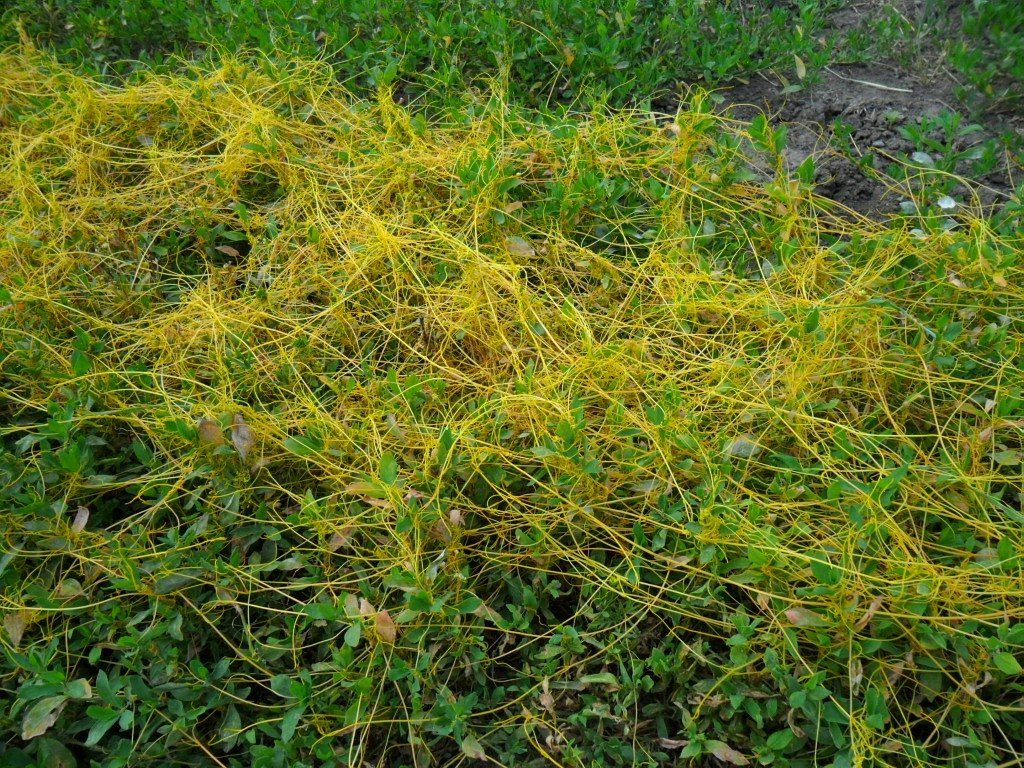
{"x":340,"y":538}
{"x":869,"y":613}
{"x":241,"y":436}
{"x":14,"y":624}
{"x":674,"y":743}
{"x":386,"y":627}
{"x":725,"y":753}
{"x":801,"y":617}
{"x":518,"y":246}
{"x":210,"y":432}
{"x":41,"y":716}
{"x":81,"y":518}
{"x":227,"y":250}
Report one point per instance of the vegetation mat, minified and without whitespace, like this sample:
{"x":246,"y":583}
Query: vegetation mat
{"x":333,"y":435}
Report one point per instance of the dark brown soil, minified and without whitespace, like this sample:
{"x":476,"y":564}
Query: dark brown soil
{"x":875,"y":100}
{"x":874,"y":114}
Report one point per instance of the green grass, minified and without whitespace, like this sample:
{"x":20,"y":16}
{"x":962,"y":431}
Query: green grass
{"x":552,"y":51}
{"x":988,"y":52}
{"x":334,"y":435}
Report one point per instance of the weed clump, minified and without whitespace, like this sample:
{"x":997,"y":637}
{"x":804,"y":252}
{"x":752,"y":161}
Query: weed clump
{"x":334,"y":436}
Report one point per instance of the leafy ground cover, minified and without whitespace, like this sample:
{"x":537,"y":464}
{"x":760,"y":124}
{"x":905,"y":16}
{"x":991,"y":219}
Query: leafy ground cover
{"x":337,"y":435}
{"x":552,"y":50}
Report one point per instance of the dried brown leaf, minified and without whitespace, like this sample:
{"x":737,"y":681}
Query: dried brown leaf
{"x":801,"y":68}
{"x":210,"y":432}
{"x":801,"y":617}
{"x":518,"y":246}
{"x":472,"y":748}
{"x":386,"y":627}
{"x":340,"y":538}
{"x":674,"y":743}
{"x":41,"y":715}
{"x":241,"y":436}
{"x":725,"y":753}
{"x":393,"y":427}
{"x":351,"y":606}
{"x":744,"y":446}
{"x":14,"y":624}
{"x":81,"y":518}
{"x":227,"y":250}
{"x":791,"y":722}
{"x":439,"y":531}
{"x":869,"y":613}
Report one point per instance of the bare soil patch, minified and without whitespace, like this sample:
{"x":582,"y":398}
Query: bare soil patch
{"x":875,"y":100}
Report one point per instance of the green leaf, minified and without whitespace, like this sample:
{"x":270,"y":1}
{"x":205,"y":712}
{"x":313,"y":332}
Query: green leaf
{"x":780,"y":740}
{"x":281,"y":685}
{"x":1007,"y":458}
{"x":812,"y":320}
{"x":290,"y":721}
{"x":97,"y":712}
{"x":470,"y":604}
{"x":172,"y":583}
{"x":388,"y":468}
{"x":80,"y":363}
{"x":1006,"y":663}
{"x":303,"y":445}
{"x":353,"y":635}
{"x":324,"y":611}
{"x":823,"y":570}
{"x":230,"y":728}
{"x":104,"y":718}
{"x":445,"y":442}
{"x":693,"y":749}
{"x":53,"y":754}
{"x":600,"y":678}
{"x":877,"y":710}
{"x":106,"y":689}
{"x":806,"y":170}
{"x":1006,"y":550}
